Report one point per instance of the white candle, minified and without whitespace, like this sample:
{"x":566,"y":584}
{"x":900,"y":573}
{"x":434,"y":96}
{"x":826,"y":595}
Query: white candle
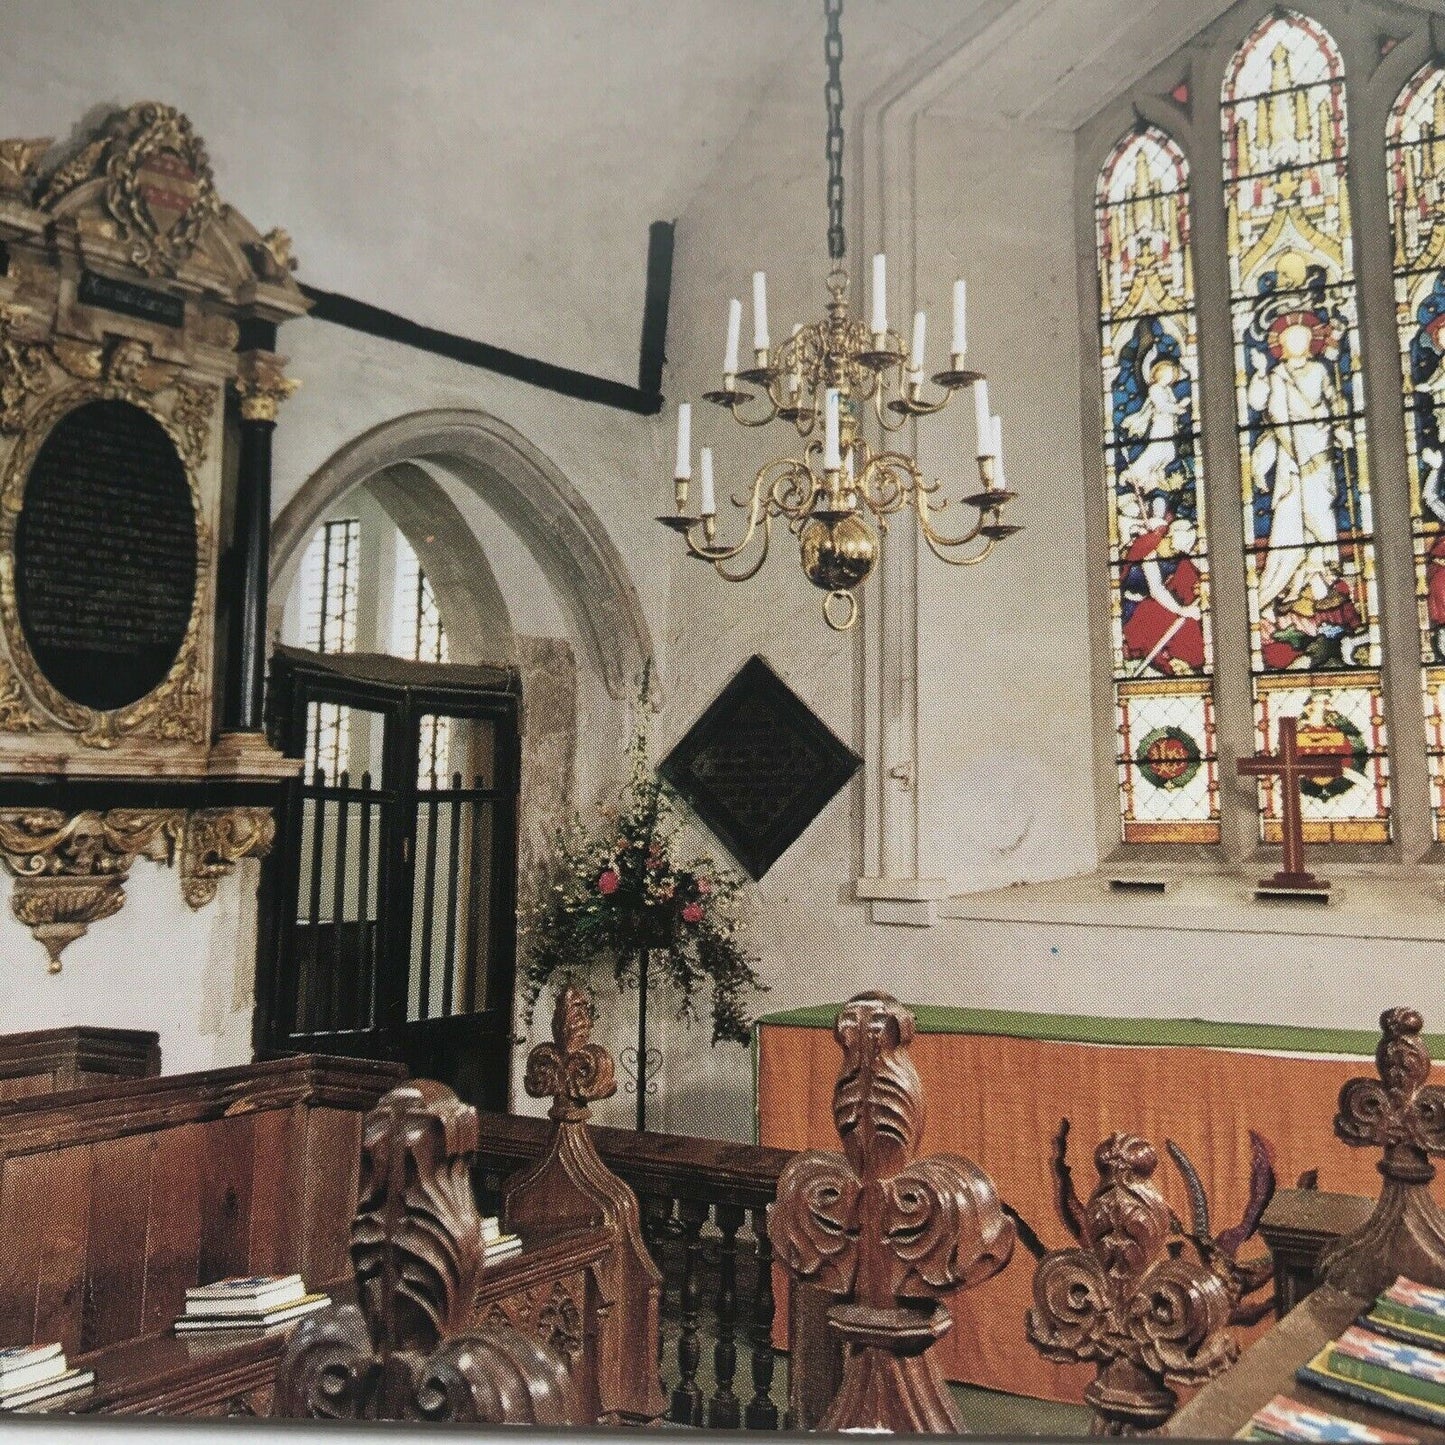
{"x":982,"y":418}
{"x":996,"y":428}
{"x":960,"y":302}
{"x":707,"y":502}
{"x":920,"y":331}
{"x":683,"y":470}
{"x":760,"y":311}
{"x":831,"y":460}
{"x":880,"y":294}
{"x":735,"y":331}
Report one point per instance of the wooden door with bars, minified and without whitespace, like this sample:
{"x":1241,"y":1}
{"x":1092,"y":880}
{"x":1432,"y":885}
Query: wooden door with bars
{"x":389,"y":903}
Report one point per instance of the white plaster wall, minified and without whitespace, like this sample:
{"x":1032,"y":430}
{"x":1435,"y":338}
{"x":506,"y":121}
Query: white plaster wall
{"x":154,"y":965}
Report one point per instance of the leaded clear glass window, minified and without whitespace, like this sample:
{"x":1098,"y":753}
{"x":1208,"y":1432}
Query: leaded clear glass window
{"x":329,"y":572}
{"x":419,"y":633}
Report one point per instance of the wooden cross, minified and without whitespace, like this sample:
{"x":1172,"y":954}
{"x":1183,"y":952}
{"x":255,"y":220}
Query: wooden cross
{"x":1292,"y":765}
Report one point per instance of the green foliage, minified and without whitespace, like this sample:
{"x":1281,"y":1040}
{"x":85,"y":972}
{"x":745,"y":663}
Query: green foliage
{"x":619,"y":895}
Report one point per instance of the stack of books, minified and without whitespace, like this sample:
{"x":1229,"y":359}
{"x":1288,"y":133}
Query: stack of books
{"x":1393,"y":1357}
{"x":248,"y":1302}
{"x":30,"y":1373}
{"x":495,"y":1244}
{"x":1286,"y":1419}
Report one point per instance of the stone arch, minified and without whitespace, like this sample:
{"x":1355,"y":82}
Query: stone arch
{"x":531,"y":495}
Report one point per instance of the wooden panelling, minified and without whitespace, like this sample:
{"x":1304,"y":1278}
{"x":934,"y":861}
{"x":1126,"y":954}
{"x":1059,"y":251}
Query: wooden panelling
{"x":48,"y":1060}
{"x":115,"y":1266}
{"x":63,"y":1252}
{"x":276,"y":1220}
{"x":174,"y":1250}
{"x":115,"y":1201}
{"x":227,"y":1160}
{"x":23,"y":1191}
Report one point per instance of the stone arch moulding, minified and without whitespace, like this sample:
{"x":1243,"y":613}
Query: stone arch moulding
{"x":527,"y":490}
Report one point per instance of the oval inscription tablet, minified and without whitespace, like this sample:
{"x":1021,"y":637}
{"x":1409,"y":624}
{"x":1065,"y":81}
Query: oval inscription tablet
{"x":106,"y":555}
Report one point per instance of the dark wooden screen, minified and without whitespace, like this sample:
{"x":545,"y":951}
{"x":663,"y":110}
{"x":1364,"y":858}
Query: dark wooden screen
{"x":391,"y":897}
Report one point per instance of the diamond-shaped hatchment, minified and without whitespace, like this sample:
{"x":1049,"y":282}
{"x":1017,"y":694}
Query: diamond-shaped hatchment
{"x":758,"y":766}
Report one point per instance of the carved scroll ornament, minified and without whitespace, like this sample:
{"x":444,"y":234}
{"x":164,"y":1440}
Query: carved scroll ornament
{"x":70,"y":870}
{"x":887,"y":1233}
{"x":1402,"y":1114}
{"x":401,"y":1352}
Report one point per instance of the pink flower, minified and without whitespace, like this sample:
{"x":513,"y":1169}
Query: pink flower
{"x":692,"y":913}
{"x":704,"y":886}
{"x":609,"y":882}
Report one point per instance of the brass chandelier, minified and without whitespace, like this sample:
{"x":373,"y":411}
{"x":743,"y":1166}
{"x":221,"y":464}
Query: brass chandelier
{"x":823,"y":380}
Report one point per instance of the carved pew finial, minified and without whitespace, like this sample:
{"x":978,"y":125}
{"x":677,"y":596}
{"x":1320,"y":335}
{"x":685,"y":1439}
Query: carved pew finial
{"x":1403,"y":1115}
{"x":402,"y":1352}
{"x":886,"y":1232}
{"x":571,"y":1188}
{"x":575,"y":1071}
{"x":1123,"y":1300}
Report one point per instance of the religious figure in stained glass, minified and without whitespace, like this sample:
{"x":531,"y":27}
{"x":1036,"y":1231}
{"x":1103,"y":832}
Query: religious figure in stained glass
{"x":1168,"y":769}
{"x":1300,"y":465}
{"x":1309,"y":549}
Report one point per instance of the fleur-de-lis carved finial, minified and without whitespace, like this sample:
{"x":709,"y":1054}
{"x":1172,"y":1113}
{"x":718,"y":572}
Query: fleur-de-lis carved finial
{"x":1402,"y":1114}
{"x":572,"y":1069}
{"x":1123,"y":1301}
{"x":889,"y":1234}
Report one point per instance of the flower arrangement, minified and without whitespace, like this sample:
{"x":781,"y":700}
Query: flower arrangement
{"x":620,"y":897}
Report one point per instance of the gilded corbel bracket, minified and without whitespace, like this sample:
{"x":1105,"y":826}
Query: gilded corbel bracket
{"x":70,"y":870}
{"x":262,"y":385}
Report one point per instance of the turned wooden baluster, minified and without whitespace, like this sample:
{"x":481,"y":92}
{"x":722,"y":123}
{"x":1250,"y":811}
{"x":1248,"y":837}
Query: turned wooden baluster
{"x":571,"y":1187}
{"x":402,"y":1350}
{"x":1123,"y":1301}
{"x":1403,"y":1114}
{"x":887,"y":1233}
{"x":761,"y":1413}
{"x":723,"y":1411}
{"x":687,"y":1394}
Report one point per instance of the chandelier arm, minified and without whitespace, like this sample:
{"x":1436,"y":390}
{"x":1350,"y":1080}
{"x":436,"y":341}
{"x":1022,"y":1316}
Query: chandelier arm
{"x":880,"y":412}
{"x":882,"y":488}
{"x":937,"y":539}
{"x":756,"y":567}
{"x":956,"y":561}
{"x":762,"y":420}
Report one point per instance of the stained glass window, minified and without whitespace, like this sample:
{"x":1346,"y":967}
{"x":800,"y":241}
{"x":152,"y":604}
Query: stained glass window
{"x":329,"y":578}
{"x":1415,"y":158}
{"x":1159,"y":555}
{"x":1309,"y":535}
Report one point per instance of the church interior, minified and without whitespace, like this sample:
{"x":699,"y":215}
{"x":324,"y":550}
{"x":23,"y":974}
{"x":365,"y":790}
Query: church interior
{"x":601,"y":601}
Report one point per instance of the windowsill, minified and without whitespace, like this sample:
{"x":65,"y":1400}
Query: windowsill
{"x":1403,"y":906}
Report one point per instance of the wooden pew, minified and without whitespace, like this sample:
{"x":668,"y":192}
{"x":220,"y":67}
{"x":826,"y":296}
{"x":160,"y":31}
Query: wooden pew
{"x":46,"y":1061}
{"x":115,"y":1200}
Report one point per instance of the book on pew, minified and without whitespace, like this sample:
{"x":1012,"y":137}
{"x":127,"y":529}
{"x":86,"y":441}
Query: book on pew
{"x":194,"y":1322}
{"x":502,"y":1247}
{"x":25,"y":1364}
{"x":245,"y":1294}
{"x":1411,"y":1312}
{"x":68,"y":1382}
{"x":1387,"y":1373}
{"x":1286,"y":1419}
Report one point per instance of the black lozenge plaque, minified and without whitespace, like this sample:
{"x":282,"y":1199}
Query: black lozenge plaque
{"x":106,"y":555}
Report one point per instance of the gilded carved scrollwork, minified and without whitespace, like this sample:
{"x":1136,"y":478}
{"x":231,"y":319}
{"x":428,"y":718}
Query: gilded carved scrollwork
{"x":262,"y":385}
{"x":22,"y":372}
{"x":19,"y":164}
{"x":176,"y":710}
{"x":70,"y":870}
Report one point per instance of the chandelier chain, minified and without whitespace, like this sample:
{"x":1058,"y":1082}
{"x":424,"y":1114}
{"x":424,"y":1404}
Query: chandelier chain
{"x":833,"y":95}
